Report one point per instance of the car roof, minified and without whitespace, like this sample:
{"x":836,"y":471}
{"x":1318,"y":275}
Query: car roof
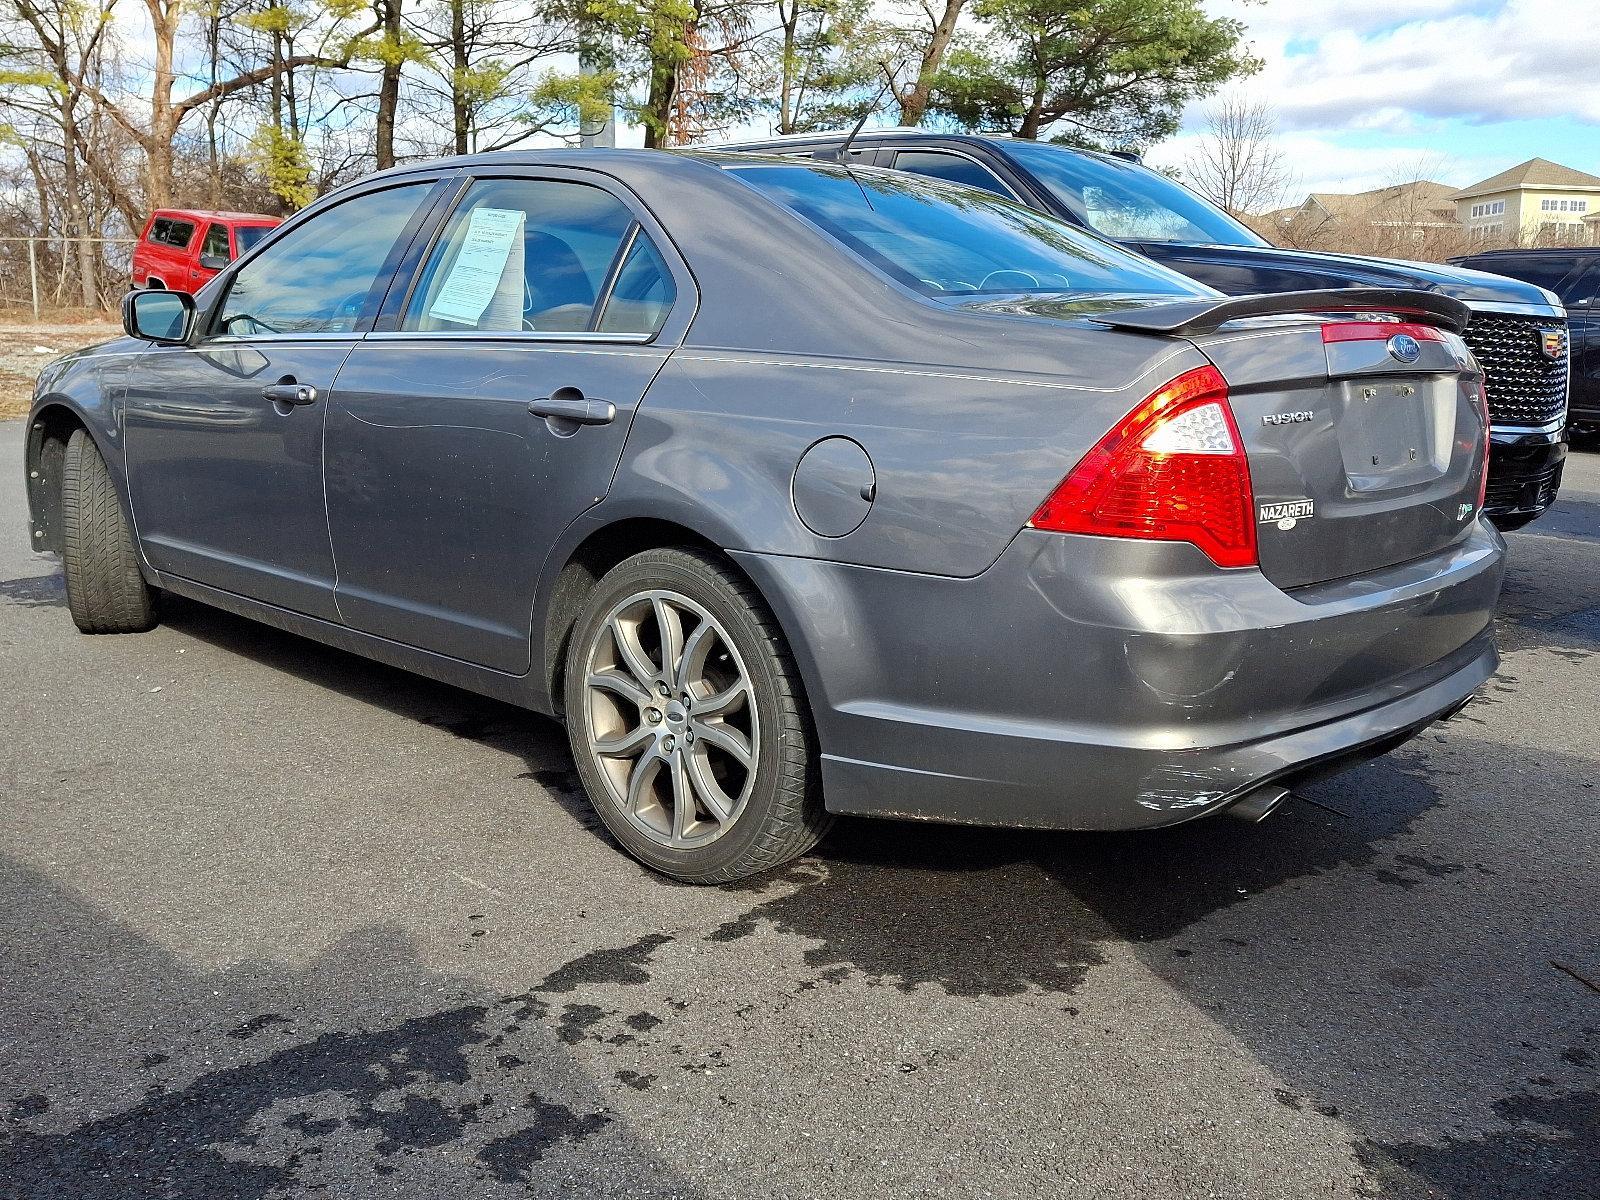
{"x":209,"y":214}
{"x":908,"y":132}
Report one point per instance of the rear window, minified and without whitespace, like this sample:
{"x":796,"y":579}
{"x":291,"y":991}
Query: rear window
{"x":944,"y":239}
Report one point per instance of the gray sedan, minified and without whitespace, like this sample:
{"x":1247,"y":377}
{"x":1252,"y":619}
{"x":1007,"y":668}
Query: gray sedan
{"x":798,"y":491}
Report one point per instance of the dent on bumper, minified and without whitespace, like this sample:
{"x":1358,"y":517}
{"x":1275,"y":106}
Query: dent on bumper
{"x":1091,"y":684}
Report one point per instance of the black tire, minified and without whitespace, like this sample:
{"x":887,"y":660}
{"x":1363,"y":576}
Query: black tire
{"x":783,"y":816}
{"x":105,"y":591}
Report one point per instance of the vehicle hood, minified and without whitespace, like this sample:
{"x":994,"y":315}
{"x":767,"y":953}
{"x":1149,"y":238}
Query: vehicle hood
{"x":1242,"y":269}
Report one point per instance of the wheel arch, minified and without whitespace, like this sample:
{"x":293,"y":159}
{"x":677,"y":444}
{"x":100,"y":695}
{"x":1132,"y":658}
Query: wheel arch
{"x":49,"y":429}
{"x":596,"y":550}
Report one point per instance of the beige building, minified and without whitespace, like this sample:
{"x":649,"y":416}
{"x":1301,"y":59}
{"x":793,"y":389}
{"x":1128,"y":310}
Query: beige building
{"x":1536,"y":201}
{"x":1407,"y":210}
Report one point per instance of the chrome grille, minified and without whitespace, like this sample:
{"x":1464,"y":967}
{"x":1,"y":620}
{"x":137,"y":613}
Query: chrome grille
{"x":1525,"y":387}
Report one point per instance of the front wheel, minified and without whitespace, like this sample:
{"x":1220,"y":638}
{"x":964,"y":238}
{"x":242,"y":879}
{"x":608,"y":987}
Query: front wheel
{"x":688,"y":722}
{"x":105,"y":591}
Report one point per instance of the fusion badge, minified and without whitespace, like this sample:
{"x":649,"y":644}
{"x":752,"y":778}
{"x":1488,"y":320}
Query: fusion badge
{"x":1286,"y":513}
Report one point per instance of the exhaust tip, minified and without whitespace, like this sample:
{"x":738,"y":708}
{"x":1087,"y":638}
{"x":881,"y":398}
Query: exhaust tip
{"x":1258,"y":805}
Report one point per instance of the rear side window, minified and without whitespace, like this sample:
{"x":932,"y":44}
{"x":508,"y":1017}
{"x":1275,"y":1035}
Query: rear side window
{"x":1545,"y":271}
{"x":642,"y":293}
{"x":318,"y":277}
{"x":952,"y":167}
{"x":216,"y":242}
{"x":167,"y":231}
{"x":944,"y":240}
{"x":535,"y":256}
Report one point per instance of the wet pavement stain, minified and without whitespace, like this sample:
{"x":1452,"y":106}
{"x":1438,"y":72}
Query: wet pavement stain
{"x":413,"y":1086}
{"x":510,"y":1157}
{"x":35,"y":591}
{"x":1549,"y":1150}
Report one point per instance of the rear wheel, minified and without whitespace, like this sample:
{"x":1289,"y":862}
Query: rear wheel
{"x":105,"y":591}
{"x":688,"y":722}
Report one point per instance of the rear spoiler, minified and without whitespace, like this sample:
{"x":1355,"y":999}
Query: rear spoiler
{"x":1202,"y":316}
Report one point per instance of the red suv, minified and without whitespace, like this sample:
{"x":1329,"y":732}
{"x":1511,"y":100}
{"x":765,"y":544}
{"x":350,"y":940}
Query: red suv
{"x":181,"y":249}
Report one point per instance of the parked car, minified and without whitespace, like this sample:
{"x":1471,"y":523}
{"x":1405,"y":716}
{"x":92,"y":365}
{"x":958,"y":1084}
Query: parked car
{"x":1154,"y":215}
{"x":797,"y":492}
{"x":1574,"y":276}
{"x":183,"y":249}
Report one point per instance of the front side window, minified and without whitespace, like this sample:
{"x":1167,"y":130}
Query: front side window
{"x":1127,"y":201}
{"x":943,"y":240}
{"x":216,"y":242}
{"x":248,"y":235}
{"x":533,"y":256}
{"x":317,"y":277}
{"x":954,"y":168}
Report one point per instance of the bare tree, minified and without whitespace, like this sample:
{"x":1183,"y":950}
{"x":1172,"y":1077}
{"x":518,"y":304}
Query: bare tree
{"x":1237,"y":162}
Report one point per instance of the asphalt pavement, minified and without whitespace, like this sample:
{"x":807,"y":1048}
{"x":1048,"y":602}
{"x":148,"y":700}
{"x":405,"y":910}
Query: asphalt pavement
{"x":276,"y":921}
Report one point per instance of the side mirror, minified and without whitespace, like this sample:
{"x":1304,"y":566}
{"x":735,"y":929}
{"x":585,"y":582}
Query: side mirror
{"x":213,"y":262}
{"x":163,"y":317}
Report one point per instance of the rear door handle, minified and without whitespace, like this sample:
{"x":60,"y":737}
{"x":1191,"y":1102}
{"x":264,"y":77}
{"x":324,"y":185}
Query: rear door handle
{"x":569,"y":406}
{"x":289,"y":392}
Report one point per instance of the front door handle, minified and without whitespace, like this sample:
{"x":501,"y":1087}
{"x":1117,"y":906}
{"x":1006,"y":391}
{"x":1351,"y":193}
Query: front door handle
{"x":569,"y":407}
{"x":289,"y":392}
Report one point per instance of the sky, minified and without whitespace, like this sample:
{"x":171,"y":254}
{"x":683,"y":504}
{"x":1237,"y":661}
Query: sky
{"x":1371,"y":92}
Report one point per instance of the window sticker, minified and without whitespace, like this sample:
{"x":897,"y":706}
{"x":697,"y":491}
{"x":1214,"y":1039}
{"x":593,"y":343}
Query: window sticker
{"x":486,"y":273}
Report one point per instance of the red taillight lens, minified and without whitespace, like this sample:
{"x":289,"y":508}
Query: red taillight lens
{"x":1173,"y":470}
{"x":1378,"y":331}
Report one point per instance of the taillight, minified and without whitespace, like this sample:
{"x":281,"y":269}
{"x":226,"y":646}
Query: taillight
{"x":1173,"y":470}
{"x":1378,"y":331}
{"x":1483,"y":477}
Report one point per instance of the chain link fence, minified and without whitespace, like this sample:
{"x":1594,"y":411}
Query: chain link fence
{"x":40,"y":273}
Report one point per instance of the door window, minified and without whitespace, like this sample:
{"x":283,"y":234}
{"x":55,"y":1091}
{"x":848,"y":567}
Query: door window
{"x":642,"y":294}
{"x":955,"y":168}
{"x":1584,"y":292}
{"x":317,"y":277}
{"x":529,"y":255}
{"x":216,"y":242}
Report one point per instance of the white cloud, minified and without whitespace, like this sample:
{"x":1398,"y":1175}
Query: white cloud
{"x":1335,"y":65}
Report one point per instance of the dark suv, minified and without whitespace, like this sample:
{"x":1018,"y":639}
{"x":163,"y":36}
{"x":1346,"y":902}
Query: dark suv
{"x":1517,"y":332}
{"x":1574,"y":276}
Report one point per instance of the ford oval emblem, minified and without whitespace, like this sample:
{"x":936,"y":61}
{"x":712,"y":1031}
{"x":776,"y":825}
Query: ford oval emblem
{"x":1404,"y":348}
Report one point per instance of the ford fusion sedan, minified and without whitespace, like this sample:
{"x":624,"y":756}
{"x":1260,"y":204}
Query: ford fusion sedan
{"x":797,"y":491}
{"x":1516,"y":331}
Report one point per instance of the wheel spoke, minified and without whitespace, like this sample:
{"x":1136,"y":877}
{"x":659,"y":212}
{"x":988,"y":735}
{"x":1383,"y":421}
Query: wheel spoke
{"x":632,"y":653}
{"x":623,"y":685}
{"x":683,"y":808}
{"x":720,"y":702}
{"x":670,"y":626}
{"x":725,"y":738}
{"x":644,"y":773}
{"x":624,"y":745}
{"x":686,"y":666}
{"x":717,"y":802}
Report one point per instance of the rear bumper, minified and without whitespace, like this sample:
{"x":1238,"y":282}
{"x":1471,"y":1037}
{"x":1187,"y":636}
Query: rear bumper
{"x":1084,"y":683}
{"x":1524,"y":475}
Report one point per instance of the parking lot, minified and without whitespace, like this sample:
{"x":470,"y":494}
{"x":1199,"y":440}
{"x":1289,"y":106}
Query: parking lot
{"x":275,"y":920}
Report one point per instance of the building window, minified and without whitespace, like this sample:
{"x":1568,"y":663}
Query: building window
{"x":1489,"y":209}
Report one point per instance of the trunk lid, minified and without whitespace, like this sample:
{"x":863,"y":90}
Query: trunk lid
{"x":1365,"y":440}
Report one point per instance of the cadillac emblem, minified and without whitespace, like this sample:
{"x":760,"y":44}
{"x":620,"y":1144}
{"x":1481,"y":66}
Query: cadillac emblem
{"x":1553,"y":344}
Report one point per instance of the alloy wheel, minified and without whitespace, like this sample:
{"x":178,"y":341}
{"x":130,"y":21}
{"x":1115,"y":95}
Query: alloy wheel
{"x":671,"y":718}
